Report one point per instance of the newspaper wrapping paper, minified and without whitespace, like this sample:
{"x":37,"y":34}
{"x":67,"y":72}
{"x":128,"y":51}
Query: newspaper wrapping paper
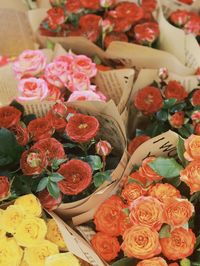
{"x":145,"y":78}
{"x":115,"y":84}
{"x":162,"y":145}
{"x":126,"y":54}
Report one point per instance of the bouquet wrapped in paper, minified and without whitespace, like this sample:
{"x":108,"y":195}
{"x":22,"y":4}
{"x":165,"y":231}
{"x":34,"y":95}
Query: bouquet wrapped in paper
{"x":153,"y":219}
{"x":163,"y":101}
{"x":71,"y":155}
{"x":30,"y":236}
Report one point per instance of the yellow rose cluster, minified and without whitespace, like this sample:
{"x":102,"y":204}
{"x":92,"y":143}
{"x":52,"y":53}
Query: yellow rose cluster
{"x":26,"y":239}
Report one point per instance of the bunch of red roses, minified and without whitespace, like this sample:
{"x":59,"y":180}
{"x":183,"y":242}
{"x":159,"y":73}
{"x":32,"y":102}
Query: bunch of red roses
{"x":169,"y":106}
{"x":58,"y":156}
{"x":154,"y":218}
{"x":102,"y":21}
{"x":67,"y":77}
{"x":189,"y":21}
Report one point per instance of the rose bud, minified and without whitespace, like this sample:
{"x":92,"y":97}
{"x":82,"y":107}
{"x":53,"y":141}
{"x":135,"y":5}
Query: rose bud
{"x":49,"y":202}
{"x":177,"y":120}
{"x":163,"y":73}
{"x":4,"y":187}
{"x":103,"y":148}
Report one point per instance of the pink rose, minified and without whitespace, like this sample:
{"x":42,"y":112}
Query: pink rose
{"x":85,"y":65}
{"x":79,"y":82}
{"x":32,"y":89}
{"x":67,"y":59}
{"x":56,"y":73}
{"x":29,"y":63}
{"x":84,"y":96}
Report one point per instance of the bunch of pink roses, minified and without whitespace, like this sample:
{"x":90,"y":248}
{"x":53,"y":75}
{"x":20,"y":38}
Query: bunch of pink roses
{"x":67,"y":77}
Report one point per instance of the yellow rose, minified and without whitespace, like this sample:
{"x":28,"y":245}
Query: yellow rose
{"x":24,"y":263}
{"x":10,"y":252}
{"x":64,"y":259}
{"x":30,"y":231}
{"x":30,"y":204}
{"x":2,"y":231}
{"x":54,"y":235}
{"x":35,"y":255}
{"x":12,"y":218}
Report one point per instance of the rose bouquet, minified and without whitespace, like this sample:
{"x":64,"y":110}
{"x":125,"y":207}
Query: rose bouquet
{"x":153,"y":220}
{"x":165,"y":104}
{"x":31,"y":237}
{"x":64,"y":156}
{"x":102,"y":21}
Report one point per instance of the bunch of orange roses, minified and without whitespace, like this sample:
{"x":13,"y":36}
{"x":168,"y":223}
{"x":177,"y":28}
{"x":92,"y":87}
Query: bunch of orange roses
{"x":154,"y":218}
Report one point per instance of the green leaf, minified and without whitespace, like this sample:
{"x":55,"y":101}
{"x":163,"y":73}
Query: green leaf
{"x":174,"y":181}
{"x":94,"y":161}
{"x":53,"y":189}
{"x":168,"y":103}
{"x":50,"y":45}
{"x":181,"y":150}
{"x":10,"y":150}
{"x":56,"y":163}
{"x":18,"y":106}
{"x":162,"y":115}
{"x":165,"y":231}
{"x":28,"y":118}
{"x":178,"y":107}
{"x":42,"y":184}
{"x":195,"y":197}
{"x":70,"y":145}
{"x":100,"y":177}
{"x":186,"y":130}
{"x":56,"y":177}
{"x":197,"y":242}
{"x":125,"y":262}
{"x":166,"y":167}
{"x":185,"y":262}
{"x":126,"y":211}
{"x":195,"y":264}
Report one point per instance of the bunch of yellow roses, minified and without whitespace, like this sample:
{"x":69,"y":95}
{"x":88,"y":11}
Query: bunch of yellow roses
{"x":28,"y":238}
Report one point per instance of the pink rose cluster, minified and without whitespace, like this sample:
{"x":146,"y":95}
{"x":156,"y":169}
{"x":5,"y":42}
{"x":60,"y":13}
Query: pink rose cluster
{"x":67,"y":77}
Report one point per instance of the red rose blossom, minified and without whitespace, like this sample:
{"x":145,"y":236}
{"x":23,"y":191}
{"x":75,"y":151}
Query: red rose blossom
{"x":174,"y":89}
{"x":120,"y":24}
{"x":82,"y":128}
{"x":56,"y":16}
{"x":179,"y":17}
{"x":193,"y":25}
{"x":130,"y":11}
{"x":51,"y":147}
{"x":115,"y":36}
{"x":136,"y":142}
{"x":149,"y":5}
{"x":33,"y":162}
{"x":91,"y":4}
{"x":4,"y":187}
{"x":77,"y":177}
{"x":21,"y":134}
{"x":40,"y":128}
{"x":73,"y":6}
{"x":90,"y":26}
{"x":148,"y":100}
{"x":177,"y":120}
{"x":9,"y":116}
{"x":197,"y":129}
{"x":47,"y":201}
{"x":146,"y":32}
{"x":57,"y":122}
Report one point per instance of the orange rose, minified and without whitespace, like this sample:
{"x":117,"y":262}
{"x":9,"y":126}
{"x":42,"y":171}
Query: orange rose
{"x":124,"y":223}
{"x":179,"y":245}
{"x":132,"y":191}
{"x":192,"y":147}
{"x":106,"y":246}
{"x":178,"y":211}
{"x":108,"y":215}
{"x":147,"y":211}
{"x":191,"y":176}
{"x":157,"y":261}
{"x":136,"y":175}
{"x":141,"y":242}
{"x":146,"y":171}
{"x":164,"y":192}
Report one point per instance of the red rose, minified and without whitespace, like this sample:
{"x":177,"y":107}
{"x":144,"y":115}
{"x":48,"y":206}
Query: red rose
{"x":90,"y":26}
{"x":146,"y":33}
{"x":73,"y":6}
{"x":53,"y":148}
{"x":197,"y":129}
{"x":174,"y":89}
{"x":4,"y":187}
{"x":179,"y":17}
{"x":197,"y":71}
{"x":149,"y":5}
{"x":92,"y":4}
{"x":9,"y":116}
{"x":193,"y":25}
{"x":82,"y":128}
{"x":77,"y":177}
{"x":33,"y":162}
{"x":177,"y":120}
{"x":48,"y":202}
{"x":107,"y":247}
{"x":21,"y":134}
{"x":148,"y":100}
{"x":130,"y":11}
{"x":120,"y":24}
{"x":187,"y":2}
{"x":56,"y":16}
{"x":136,"y":142}
{"x":57,"y":122}
{"x":40,"y":128}
{"x":115,"y":36}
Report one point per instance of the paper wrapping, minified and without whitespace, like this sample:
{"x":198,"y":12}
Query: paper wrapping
{"x":126,"y":54}
{"x":171,"y":5}
{"x":162,"y":145}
